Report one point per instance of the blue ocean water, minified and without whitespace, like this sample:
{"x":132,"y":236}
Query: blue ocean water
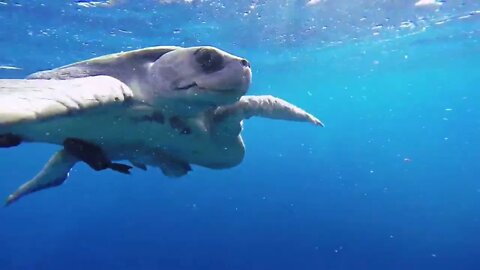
{"x":391,"y":182}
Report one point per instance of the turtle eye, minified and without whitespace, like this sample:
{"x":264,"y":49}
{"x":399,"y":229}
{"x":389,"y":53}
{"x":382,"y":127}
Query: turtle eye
{"x":209,"y":60}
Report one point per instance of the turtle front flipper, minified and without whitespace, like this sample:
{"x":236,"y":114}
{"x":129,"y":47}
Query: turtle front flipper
{"x":263,"y":106}
{"x":54,"y":173}
{"x":27,"y":102}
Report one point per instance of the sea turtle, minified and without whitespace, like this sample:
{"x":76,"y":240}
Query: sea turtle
{"x":167,"y":107}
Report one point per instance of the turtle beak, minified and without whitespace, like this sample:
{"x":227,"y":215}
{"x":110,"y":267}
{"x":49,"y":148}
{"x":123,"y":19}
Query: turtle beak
{"x":247,"y":77}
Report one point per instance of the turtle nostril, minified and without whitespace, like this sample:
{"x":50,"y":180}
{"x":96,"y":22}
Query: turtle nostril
{"x":245,"y":63}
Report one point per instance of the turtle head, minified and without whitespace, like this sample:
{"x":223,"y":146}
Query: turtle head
{"x":199,"y":76}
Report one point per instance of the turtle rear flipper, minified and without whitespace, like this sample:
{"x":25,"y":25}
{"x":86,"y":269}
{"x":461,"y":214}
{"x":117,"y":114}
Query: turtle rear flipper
{"x":119,"y":167}
{"x":93,"y":155}
{"x":9,"y":140}
{"x":139,"y":165}
{"x":172,"y":167}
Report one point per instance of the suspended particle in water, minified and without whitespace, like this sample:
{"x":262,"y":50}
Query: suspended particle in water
{"x":337,"y":250}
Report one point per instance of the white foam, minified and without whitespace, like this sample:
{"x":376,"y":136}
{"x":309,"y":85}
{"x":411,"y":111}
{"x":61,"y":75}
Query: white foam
{"x":313,"y":2}
{"x":427,"y":3}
